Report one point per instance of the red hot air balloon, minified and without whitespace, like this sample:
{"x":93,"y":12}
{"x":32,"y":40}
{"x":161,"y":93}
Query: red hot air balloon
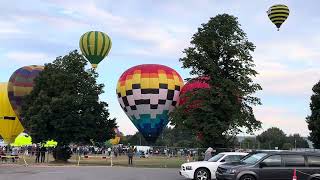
{"x":192,"y":86}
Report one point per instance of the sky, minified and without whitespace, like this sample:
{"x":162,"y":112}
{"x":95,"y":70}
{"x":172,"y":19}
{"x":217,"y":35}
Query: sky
{"x":142,"y":32}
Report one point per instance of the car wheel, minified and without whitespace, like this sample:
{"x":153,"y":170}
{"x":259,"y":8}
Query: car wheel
{"x":202,"y":174}
{"x":247,"y":177}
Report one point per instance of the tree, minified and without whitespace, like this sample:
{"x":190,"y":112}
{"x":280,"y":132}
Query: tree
{"x":287,"y":146}
{"x":64,"y":105}
{"x":249,"y":143}
{"x":271,"y":138}
{"x":297,"y":141}
{"x":171,"y":137}
{"x":221,"y":51}
{"x":314,"y":119}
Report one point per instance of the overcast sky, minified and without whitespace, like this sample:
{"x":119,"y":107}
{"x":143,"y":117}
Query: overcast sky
{"x":288,"y":61}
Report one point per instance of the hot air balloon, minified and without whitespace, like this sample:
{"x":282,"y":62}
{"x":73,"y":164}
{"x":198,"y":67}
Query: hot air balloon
{"x":278,"y":14}
{"x":20,"y":84}
{"x":95,"y":46}
{"x":22,"y":139}
{"x":51,"y":143}
{"x":148,"y":93}
{"x":10,"y":126}
{"x":117,"y":137}
{"x":192,"y":86}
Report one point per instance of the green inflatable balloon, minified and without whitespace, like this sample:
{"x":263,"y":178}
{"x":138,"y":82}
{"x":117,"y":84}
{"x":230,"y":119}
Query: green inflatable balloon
{"x":95,"y":46}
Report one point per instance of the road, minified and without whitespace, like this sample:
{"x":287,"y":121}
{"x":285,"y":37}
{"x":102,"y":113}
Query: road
{"x":87,"y":173}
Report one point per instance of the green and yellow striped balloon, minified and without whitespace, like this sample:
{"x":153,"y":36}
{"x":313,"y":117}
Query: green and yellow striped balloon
{"x":95,"y":46}
{"x":278,"y":14}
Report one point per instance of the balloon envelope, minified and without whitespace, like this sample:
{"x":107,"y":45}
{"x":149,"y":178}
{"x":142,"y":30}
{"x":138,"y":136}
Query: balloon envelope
{"x":21,"y":84}
{"x":148,"y":93}
{"x":22,"y":139}
{"x":278,"y":14}
{"x":117,"y":138}
{"x":10,"y":126}
{"x":191,"y":86}
{"x":95,"y":46}
{"x":51,"y":143}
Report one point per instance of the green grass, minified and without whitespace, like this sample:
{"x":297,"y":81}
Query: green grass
{"x":151,"y":162}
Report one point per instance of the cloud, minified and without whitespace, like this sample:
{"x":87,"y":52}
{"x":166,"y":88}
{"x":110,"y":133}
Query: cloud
{"x":288,"y":81}
{"x":288,"y":67}
{"x":290,"y":122}
{"x":23,"y":58}
{"x":162,"y":38}
{"x":7,"y":28}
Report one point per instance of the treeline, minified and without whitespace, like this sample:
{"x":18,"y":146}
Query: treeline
{"x":274,"y":138}
{"x":173,"y":137}
{"x":270,"y":139}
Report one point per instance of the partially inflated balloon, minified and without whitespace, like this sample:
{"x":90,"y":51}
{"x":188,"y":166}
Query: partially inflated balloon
{"x":21,"y":84}
{"x":148,"y":93}
{"x":191,"y":86}
{"x":22,"y":140}
{"x":117,"y":137}
{"x":10,"y":126}
{"x":51,"y":143}
{"x":95,"y":46}
{"x":278,"y":14}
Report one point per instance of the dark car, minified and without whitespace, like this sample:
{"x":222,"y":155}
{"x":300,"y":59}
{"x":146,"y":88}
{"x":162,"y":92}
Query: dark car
{"x":272,"y":166}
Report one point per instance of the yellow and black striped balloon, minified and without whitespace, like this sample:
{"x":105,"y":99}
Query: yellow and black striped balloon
{"x":278,"y":14}
{"x":95,"y":46}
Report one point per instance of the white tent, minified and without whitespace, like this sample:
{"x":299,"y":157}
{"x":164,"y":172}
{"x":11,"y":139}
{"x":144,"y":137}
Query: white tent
{"x":2,"y":143}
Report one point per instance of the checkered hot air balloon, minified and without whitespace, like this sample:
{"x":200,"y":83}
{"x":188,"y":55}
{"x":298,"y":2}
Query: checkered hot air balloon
{"x":20,"y":84}
{"x":278,"y":14}
{"x":148,"y":93}
{"x":95,"y":46}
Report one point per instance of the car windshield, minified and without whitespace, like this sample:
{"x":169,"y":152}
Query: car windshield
{"x":252,"y":159}
{"x":216,"y":158}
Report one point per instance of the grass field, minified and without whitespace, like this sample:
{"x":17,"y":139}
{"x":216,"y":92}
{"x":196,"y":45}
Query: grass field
{"x":151,"y":162}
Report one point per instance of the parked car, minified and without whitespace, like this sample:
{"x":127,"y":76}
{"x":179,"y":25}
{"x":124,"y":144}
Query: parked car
{"x":272,"y":166}
{"x":205,"y":170}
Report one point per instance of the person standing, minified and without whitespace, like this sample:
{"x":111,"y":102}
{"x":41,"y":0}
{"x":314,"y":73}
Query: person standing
{"x":208,"y":154}
{"x":37,"y":154}
{"x":130,"y":155}
{"x":43,"y":153}
{"x":14,"y":153}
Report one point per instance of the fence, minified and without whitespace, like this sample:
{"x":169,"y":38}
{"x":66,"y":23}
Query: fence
{"x":143,"y":156}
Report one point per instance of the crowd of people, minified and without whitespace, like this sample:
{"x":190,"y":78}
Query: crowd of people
{"x":36,"y":150}
{"x":39,"y":152}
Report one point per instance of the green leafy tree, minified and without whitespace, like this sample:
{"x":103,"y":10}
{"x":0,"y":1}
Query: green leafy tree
{"x":314,"y":119}
{"x":287,"y":146}
{"x":249,"y":143}
{"x":271,"y":138}
{"x":221,"y":51}
{"x":171,"y":137}
{"x":64,"y":105}
{"x":297,"y":141}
